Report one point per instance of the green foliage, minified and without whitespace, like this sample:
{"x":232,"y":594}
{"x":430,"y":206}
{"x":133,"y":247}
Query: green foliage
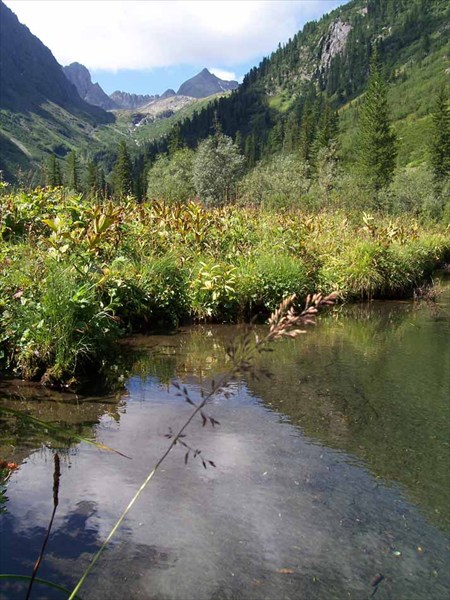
{"x":440,"y":143}
{"x":76,"y":273}
{"x":170,"y":178}
{"x":122,"y":173}
{"x":212,"y":290}
{"x":58,"y":327}
{"x":73,"y":172}
{"x":377,"y":142}
{"x":269,"y":278}
{"x":279,"y":183}
{"x":217,"y":167}
{"x":413,"y":191}
{"x":53,"y":174}
{"x":148,"y":293}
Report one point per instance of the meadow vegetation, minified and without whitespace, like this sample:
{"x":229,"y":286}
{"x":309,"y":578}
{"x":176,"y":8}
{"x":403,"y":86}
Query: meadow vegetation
{"x":77,"y":273}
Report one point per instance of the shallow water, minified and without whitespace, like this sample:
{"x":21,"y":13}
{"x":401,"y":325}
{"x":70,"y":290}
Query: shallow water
{"x":333,"y":471}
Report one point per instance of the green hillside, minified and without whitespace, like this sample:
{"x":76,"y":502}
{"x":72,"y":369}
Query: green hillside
{"x":329,"y":59}
{"x":41,"y":112}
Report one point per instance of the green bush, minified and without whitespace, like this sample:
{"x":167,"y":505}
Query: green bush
{"x":58,"y":327}
{"x":268,"y":278}
{"x":170,"y":179}
{"x":148,"y":293}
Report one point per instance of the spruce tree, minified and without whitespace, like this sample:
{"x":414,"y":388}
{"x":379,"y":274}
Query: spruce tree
{"x":122,"y":175}
{"x":92,"y":178}
{"x":174,"y":140}
{"x":73,"y":172}
{"x":53,"y":172}
{"x":440,"y":142}
{"x":377,"y":142}
{"x":327,"y":129}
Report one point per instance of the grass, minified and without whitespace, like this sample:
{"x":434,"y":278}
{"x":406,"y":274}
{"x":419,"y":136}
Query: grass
{"x":76,"y":275}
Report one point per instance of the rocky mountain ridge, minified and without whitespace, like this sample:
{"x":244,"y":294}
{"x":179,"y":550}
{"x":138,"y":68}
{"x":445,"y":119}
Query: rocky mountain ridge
{"x":202,"y":85}
{"x":31,"y":76}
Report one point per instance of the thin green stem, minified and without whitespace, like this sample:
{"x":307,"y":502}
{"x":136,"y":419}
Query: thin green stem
{"x":56,"y":478}
{"x":147,"y":480}
{"x":51,"y":584}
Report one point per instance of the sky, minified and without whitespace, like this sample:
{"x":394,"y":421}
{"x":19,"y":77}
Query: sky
{"x":145,"y":47}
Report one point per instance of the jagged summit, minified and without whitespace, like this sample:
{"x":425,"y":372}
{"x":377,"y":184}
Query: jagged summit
{"x":200,"y":86}
{"x":126,"y":100}
{"x":79,"y":75}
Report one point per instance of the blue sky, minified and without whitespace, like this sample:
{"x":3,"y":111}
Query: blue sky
{"x":145,"y":47}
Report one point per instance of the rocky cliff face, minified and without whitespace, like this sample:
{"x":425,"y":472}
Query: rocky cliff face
{"x":334,"y":42}
{"x":205,"y":84}
{"x":91,"y":92}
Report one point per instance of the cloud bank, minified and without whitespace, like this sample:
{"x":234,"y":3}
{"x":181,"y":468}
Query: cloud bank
{"x":145,"y":35}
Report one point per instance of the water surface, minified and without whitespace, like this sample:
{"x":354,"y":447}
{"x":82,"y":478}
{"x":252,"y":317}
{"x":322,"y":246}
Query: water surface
{"x":332,"y":471}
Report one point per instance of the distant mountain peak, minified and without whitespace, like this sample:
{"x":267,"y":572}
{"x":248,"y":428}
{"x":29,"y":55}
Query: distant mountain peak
{"x":205,"y":84}
{"x":92,"y":93}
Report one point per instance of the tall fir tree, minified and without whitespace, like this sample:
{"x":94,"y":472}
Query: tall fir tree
{"x":174,"y":140}
{"x":377,"y":142}
{"x":53,"y":175}
{"x":73,"y":172}
{"x":123,"y":172}
{"x":440,"y":142}
{"x":327,"y":129}
{"x":92,"y":178}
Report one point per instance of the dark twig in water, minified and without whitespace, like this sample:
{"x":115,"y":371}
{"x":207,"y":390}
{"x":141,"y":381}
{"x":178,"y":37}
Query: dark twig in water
{"x":284,"y":322}
{"x":429,"y":294}
{"x":375,"y":583}
{"x":56,"y":478}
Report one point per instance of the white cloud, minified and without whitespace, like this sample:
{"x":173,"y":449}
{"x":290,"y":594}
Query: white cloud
{"x":144,"y":35}
{"x":222,"y":74}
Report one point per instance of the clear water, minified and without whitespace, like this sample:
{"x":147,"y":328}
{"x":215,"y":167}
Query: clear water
{"x":333,"y":471}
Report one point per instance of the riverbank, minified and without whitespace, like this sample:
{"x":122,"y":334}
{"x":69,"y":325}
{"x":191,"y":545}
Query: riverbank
{"x":77,"y":275}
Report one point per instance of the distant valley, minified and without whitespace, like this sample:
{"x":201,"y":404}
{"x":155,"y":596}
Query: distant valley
{"x":47,"y":109}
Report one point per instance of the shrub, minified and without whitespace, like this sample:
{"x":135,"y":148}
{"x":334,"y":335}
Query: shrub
{"x":218,"y":165}
{"x":170,"y":179}
{"x":266,"y":279}
{"x":59,"y":327}
{"x":280,"y":183}
{"x":148,"y":293}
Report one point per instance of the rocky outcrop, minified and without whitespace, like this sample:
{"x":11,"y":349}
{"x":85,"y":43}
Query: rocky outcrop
{"x":90,"y":92}
{"x":334,"y":42}
{"x":125,"y":100}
